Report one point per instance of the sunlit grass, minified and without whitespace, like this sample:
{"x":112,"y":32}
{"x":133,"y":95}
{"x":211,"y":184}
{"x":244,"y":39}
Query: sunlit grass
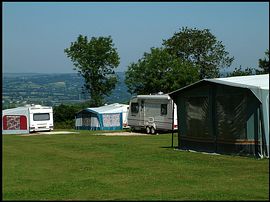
{"x":93,"y":167}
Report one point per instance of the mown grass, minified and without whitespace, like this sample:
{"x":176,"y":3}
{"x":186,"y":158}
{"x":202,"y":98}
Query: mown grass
{"x":92,"y":167}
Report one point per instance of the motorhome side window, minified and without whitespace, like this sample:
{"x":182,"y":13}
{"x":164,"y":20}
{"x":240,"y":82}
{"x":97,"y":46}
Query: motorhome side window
{"x":134,"y":107}
{"x":163,"y":109}
{"x":142,"y":105}
{"x":41,"y":117}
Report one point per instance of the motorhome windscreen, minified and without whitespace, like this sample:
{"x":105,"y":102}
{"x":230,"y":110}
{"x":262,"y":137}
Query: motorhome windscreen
{"x":163,"y":109}
{"x":134,"y":107}
{"x":41,"y":117}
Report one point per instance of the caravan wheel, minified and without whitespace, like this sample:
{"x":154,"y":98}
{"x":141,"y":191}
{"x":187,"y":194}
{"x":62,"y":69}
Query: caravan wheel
{"x":153,"y":131}
{"x":148,"y":131}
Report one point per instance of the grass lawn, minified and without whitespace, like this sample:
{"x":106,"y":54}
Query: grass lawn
{"x":93,"y":167}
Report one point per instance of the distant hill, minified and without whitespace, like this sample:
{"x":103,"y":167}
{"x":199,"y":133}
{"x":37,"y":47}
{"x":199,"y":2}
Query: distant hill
{"x":53,"y":89}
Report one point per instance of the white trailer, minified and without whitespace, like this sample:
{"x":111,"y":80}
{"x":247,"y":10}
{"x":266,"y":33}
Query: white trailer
{"x":29,"y":118}
{"x":152,"y":113}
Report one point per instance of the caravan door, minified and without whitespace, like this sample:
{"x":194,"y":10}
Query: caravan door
{"x":141,"y":113}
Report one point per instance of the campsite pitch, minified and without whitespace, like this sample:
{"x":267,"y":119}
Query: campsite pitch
{"x":87,"y":166}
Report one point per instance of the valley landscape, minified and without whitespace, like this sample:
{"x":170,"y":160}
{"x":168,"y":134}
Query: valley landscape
{"x":53,"y":89}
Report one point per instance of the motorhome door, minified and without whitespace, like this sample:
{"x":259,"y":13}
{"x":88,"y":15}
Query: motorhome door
{"x":142,"y":113}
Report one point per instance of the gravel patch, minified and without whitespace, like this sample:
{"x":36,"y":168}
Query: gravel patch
{"x":101,"y":133}
{"x":48,"y":133}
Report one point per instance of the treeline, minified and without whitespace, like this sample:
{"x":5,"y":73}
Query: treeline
{"x":189,"y":55}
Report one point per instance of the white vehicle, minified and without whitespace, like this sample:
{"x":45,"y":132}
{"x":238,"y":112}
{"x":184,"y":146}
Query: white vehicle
{"x":27,"y":119}
{"x":152,"y":113}
{"x":41,"y":118}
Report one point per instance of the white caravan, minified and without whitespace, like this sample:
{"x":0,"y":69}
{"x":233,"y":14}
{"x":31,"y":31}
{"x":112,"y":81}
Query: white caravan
{"x":27,"y":119}
{"x":41,"y":118}
{"x":152,"y":113}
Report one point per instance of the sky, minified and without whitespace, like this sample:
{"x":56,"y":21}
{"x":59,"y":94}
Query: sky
{"x":35,"y":34}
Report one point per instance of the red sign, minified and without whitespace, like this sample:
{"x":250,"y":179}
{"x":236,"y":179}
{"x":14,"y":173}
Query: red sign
{"x":14,"y":122}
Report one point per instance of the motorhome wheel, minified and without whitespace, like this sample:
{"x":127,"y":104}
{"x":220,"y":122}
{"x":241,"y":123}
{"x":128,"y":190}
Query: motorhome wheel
{"x":148,"y":131}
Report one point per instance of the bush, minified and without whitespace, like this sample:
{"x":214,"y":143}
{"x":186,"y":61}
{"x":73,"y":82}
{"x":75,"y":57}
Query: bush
{"x":64,"y":115}
{"x":69,"y":124}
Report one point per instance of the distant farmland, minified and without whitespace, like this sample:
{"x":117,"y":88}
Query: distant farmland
{"x":52,"y":89}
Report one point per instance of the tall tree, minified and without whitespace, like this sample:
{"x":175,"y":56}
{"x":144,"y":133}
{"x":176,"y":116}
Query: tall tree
{"x":264,"y":64}
{"x":159,"y":71}
{"x":201,"y":48}
{"x":95,"y":60}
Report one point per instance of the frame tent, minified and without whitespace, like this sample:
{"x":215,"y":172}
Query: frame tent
{"x":225,"y":115}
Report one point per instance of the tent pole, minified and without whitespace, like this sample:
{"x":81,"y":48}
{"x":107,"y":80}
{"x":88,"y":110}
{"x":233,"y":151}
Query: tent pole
{"x":261,"y":128}
{"x":172,"y":121}
{"x":214,"y":119}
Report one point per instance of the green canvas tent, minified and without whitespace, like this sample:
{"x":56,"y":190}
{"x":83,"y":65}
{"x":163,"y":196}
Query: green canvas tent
{"x":225,"y":115}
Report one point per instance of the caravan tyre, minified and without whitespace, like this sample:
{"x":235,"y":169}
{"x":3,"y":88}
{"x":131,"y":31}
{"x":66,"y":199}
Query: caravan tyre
{"x":148,"y":131}
{"x":153,"y":131}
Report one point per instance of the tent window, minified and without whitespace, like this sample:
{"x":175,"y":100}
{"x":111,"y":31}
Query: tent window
{"x":86,"y":119}
{"x":197,"y":113}
{"x":231,"y":117}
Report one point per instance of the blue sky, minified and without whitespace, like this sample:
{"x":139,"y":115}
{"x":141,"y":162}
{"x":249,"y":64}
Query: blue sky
{"x":36,"y":34}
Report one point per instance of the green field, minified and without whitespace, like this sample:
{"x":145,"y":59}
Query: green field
{"x":95,"y":167}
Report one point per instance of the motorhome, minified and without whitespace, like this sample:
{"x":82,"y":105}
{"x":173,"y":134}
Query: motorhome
{"x":152,"y":113}
{"x":29,"y":118}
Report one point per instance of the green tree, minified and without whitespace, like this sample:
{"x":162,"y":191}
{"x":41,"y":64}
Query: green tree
{"x":241,"y":72}
{"x":64,"y":115}
{"x":264,"y":64}
{"x":201,"y":48}
{"x":95,"y":60}
{"x":159,"y":71}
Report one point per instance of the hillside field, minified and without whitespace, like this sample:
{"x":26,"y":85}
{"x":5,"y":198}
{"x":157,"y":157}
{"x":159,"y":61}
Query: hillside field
{"x":88,"y":166}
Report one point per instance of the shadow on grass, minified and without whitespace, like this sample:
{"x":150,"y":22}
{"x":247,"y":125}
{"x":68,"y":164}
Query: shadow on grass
{"x":167,"y":147}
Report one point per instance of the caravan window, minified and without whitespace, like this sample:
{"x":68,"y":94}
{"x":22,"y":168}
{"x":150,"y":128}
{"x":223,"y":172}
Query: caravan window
{"x":41,"y":117}
{"x":134,"y":107}
{"x":163,"y":109}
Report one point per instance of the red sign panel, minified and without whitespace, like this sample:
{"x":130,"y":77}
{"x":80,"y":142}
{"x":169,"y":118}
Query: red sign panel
{"x":14,"y":122}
